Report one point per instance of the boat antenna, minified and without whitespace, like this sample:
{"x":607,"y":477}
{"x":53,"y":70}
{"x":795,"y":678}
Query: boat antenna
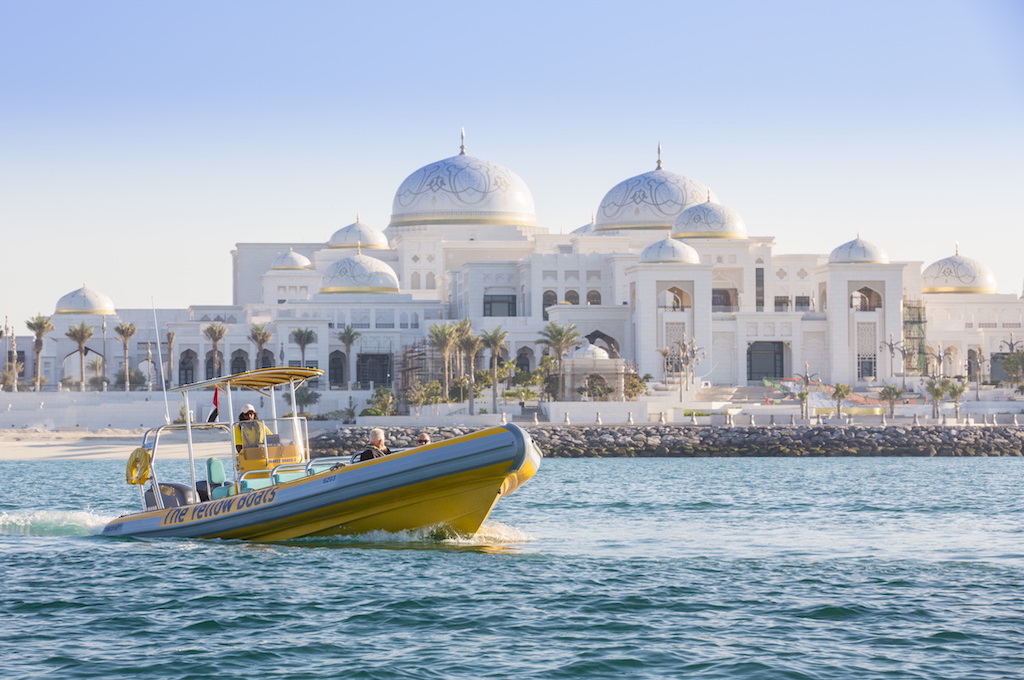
{"x":160,"y":359}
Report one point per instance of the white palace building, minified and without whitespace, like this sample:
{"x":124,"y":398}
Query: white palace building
{"x":663,"y":261}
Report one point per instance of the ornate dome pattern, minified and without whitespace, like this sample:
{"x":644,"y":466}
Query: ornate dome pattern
{"x":709,"y":220}
{"x":359,"y":235}
{"x":359,"y":274}
{"x":958,"y":274}
{"x":858,"y":251}
{"x":463,"y":190}
{"x":669,"y":250}
{"x":652,"y":200}
{"x":291,"y":260}
{"x":85,"y":300}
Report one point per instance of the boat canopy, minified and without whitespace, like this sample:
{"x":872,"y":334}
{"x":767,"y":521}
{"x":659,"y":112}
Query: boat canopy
{"x":258,"y":380}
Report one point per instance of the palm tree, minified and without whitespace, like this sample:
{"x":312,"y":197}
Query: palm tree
{"x":261,"y":337}
{"x":215,"y":332}
{"x":169,"y":378}
{"x":803,"y":396}
{"x":40,"y":325}
{"x":463,"y":329}
{"x":494,"y":341}
{"x":81,"y":334}
{"x":891,"y":394}
{"x":125,"y":331}
{"x":559,"y":339}
{"x":348,"y":337}
{"x":955,"y":390}
{"x":840,"y":392}
{"x":471,"y":346}
{"x":935,"y":390}
{"x":303,"y":337}
{"x":441,"y":337}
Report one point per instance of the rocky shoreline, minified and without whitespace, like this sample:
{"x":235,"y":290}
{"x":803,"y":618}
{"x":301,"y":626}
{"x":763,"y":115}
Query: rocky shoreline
{"x":646,"y":441}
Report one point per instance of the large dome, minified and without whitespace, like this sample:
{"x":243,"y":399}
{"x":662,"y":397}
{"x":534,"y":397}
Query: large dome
{"x":858,"y":251}
{"x":709,"y":220}
{"x":359,"y":274}
{"x":652,"y":200}
{"x":958,"y":274}
{"x":85,"y":300}
{"x":669,"y":250}
{"x":291,"y":260}
{"x":463,"y":190}
{"x":359,"y":235}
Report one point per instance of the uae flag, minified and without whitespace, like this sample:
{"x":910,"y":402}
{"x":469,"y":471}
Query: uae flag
{"x":216,"y":406}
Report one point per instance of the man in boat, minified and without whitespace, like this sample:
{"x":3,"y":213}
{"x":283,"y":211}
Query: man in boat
{"x":423,"y":438}
{"x":250,"y":432}
{"x":377,"y":447}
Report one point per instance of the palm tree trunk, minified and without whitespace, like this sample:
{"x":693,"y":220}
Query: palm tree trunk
{"x":81,"y":359}
{"x":494,"y":384}
{"x":127,"y":381}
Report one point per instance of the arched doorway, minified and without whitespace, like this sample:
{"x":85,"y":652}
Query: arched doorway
{"x":239,"y":361}
{"x":336,"y":368}
{"x":187,"y":367}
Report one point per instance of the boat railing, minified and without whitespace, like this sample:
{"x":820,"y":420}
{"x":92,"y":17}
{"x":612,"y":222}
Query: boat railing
{"x":326,"y":462}
{"x":151,"y":442}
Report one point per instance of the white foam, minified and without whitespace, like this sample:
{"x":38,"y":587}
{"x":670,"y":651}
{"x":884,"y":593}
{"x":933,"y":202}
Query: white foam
{"x":52,"y":522}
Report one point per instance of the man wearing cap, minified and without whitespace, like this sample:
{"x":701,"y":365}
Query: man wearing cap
{"x":250,"y":432}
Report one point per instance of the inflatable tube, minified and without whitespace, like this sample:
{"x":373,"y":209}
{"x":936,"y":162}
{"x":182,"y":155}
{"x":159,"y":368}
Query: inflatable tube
{"x":138,"y":470}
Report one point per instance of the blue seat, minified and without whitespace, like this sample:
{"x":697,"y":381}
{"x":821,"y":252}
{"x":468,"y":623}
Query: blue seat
{"x":217,"y":479}
{"x":255,"y":483}
{"x":288,"y":476}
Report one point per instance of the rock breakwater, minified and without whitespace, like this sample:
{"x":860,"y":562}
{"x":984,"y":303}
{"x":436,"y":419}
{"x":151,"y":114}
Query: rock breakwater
{"x":597,"y":441}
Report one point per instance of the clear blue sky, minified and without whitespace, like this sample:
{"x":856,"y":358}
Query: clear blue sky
{"x":139,"y":141}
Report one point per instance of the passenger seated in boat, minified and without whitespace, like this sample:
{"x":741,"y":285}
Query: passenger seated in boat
{"x":423,"y":438}
{"x":250,"y":432}
{"x":377,"y":447}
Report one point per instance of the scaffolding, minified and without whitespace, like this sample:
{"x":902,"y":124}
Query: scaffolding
{"x":914,"y":322}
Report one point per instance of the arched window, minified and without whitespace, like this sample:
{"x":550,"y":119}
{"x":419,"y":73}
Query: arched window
{"x":213,"y":360}
{"x":866,"y":300}
{"x":414,"y":280}
{"x":187,"y":367}
{"x":549,"y":298}
{"x":431,"y":281}
{"x":336,"y":368}
{"x":524,"y":360}
{"x":593,"y":297}
{"x":572,"y":297}
{"x":239,"y":361}
{"x":267,"y":360}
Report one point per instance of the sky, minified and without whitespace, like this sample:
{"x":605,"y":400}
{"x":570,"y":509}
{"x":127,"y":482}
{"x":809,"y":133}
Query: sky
{"x":139,"y":142}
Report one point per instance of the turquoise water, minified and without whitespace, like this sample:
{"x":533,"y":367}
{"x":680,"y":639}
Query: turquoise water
{"x":696,"y":568}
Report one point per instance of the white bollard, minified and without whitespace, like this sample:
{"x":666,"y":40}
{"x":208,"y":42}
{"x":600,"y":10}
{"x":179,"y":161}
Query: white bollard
{"x":629,"y":418}
{"x":598,"y":419}
{"x":917,"y":419}
{"x":504,"y":419}
{"x":566,"y":420}
{"x":536,"y":421}
{"x":662,"y":418}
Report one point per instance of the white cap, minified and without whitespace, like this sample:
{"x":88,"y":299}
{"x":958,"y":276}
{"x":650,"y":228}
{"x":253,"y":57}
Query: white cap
{"x":248,"y":407}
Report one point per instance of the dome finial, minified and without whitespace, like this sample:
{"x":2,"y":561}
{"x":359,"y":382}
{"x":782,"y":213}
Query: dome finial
{"x":659,"y":156}
{"x":709,"y":195}
{"x":956,"y":247}
{"x":357,"y":218}
{"x":462,"y":147}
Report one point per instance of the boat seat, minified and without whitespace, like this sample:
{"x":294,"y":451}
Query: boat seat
{"x":255,"y":483}
{"x":222,"y":491}
{"x":288,"y":476}
{"x":216,"y":479}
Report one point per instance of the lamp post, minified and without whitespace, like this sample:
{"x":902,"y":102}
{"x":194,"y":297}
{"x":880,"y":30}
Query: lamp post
{"x":939,"y":356}
{"x":103,"y":378}
{"x":1012,"y":346}
{"x":980,"y":360}
{"x":894,"y":347}
{"x":688,"y":355}
{"x":806,"y":377}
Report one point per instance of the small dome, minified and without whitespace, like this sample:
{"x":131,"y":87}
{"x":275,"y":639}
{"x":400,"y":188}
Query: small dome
{"x":359,"y":235}
{"x":85,"y":300}
{"x":652,"y":200}
{"x":463,"y":190}
{"x":958,"y":274}
{"x":291,"y":260}
{"x":590,"y":352}
{"x":709,"y":220}
{"x":858,"y":251}
{"x":359,"y":274}
{"x":587,"y":228}
{"x":669,"y":250}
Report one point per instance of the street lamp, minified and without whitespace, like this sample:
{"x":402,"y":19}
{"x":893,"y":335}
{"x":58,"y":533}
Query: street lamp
{"x":806,"y":377}
{"x":939,"y":356}
{"x":980,"y":360}
{"x":688,"y":355}
{"x":1012,"y":346}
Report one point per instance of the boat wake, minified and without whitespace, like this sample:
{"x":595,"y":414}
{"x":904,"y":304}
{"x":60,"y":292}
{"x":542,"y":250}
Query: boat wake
{"x":51,"y":523}
{"x":492,"y":537}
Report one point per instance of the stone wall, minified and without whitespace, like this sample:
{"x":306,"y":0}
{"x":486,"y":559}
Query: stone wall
{"x":677,"y":440}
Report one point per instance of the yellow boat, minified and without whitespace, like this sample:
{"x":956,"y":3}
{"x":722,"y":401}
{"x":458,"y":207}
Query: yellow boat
{"x":277,"y":492}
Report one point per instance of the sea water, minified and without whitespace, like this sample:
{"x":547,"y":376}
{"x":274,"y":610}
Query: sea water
{"x":647,"y":568}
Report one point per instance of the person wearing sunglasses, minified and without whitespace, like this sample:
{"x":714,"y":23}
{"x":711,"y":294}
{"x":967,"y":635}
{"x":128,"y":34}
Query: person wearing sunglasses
{"x":250,"y":432}
{"x":422,"y":438}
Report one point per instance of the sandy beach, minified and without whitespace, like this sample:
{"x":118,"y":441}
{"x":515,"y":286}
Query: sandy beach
{"x":31,"y":444}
